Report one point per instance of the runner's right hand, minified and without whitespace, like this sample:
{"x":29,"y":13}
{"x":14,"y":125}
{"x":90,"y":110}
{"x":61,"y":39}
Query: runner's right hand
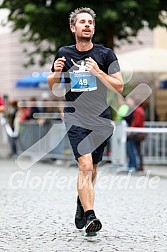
{"x":59,"y":64}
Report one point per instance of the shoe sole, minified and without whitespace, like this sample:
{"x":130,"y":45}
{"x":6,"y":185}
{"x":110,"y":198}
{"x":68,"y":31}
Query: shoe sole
{"x":91,"y":234}
{"x":93,"y":226}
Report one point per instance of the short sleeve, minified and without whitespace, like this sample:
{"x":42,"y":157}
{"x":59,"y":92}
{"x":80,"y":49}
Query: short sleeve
{"x":112,"y":63}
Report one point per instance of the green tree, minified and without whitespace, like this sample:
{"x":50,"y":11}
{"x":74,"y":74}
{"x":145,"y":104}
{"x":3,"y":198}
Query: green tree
{"x":45,"y":22}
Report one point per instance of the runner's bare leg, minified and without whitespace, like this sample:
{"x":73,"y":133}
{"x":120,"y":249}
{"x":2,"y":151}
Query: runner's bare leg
{"x":86,"y":180}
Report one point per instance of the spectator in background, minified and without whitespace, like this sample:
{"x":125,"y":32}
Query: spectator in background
{"x":11,"y":114}
{"x":22,"y":114}
{"x":32,"y":109}
{"x":130,"y":144}
{"x":122,"y":110}
{"x":15,"y":115}
{"x":138,"y":119}
{"x":1,"y":105}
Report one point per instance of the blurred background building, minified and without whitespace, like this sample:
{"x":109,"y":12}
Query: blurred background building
{"x":12,"y":60}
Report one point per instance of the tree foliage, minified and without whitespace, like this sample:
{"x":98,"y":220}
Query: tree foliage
{"x":45,"y":22}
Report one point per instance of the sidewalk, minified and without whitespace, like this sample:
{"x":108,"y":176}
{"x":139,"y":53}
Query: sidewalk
{"x":38,"y":207}
{"x":157,"y":170}
{"x":154,"y":170}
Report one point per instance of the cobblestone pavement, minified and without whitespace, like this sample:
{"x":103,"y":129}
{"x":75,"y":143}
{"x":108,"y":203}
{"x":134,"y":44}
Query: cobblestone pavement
{"x":37,"y":211}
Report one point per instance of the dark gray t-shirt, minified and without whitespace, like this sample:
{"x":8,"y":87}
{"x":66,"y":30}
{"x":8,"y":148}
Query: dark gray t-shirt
{"x":91,"y":104}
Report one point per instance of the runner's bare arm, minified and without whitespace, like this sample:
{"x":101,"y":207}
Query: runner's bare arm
{"x":113,"y":81}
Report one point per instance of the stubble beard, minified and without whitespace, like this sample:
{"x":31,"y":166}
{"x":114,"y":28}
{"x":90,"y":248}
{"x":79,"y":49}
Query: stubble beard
{"x":84,"y":40}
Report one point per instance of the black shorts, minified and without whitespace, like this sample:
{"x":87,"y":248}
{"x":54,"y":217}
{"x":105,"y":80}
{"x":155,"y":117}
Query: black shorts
{"x":92,"y":142}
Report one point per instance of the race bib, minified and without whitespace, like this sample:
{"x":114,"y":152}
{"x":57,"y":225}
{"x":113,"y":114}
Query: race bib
{"x":82,"y":81}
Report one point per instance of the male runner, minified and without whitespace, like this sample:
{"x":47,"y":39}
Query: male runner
{"x":89,"y":69}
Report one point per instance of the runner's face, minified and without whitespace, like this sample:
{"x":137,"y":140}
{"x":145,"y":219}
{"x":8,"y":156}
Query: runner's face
{"x":84,"y":26}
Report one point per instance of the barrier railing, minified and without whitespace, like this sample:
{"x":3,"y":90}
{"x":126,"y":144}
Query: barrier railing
{"x":42,"y":136}
{"x":4,"y":144}
{"x":154,"y":147}
{"x":41,"y":139}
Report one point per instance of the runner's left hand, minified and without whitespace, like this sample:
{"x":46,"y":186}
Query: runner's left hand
{"x":92,"y":66}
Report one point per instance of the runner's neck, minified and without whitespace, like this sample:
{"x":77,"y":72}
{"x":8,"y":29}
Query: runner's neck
{"x":84,"y":46}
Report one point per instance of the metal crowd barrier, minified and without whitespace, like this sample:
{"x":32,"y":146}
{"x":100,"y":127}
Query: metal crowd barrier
{"x":35,"y":138}
{"x":40,"y":139}
{"x":154,"y":147}
{"x":4,"y":143}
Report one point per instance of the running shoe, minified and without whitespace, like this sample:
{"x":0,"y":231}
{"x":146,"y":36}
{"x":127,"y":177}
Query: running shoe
{"x":80,"y":219}
{"x":92,"y":224}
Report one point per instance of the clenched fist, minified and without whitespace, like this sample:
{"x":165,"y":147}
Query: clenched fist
{"x":59,"y":64}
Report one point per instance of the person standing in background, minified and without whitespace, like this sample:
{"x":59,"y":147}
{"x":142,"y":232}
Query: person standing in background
{"x":130,"y":144}
{"x":2,"y":107}
{"x":11,"y":114}
{"x":33,"y":109}
{"x":138,"y":121}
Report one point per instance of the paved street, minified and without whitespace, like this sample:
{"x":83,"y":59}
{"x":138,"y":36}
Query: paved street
{"x":38,"y":206}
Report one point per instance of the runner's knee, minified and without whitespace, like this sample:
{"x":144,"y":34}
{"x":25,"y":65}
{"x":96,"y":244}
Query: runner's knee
{"x":86,"y":168}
